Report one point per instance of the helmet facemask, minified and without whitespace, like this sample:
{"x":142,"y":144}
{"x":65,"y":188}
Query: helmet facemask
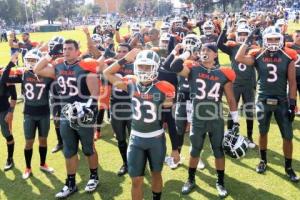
{"x":30,"y":63}
{"x":241,"y":37}
{"x":273,"y":42}
{"x":146,"y":72}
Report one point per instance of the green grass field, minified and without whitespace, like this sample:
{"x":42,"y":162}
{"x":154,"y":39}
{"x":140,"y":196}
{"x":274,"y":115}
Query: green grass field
{"x":241,"y":179}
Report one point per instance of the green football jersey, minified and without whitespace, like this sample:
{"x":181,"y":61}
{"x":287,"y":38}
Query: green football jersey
{"x":71,"y":83}
{"x":36,"y":89}
{"x":207,"y":86}
{"x":297,"y":63}
{"x":273,"y":73}
{"x":245,"y":75}
{"x":147,"y":107}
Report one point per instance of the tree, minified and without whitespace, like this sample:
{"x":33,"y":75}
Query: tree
{"x":128,"y":6}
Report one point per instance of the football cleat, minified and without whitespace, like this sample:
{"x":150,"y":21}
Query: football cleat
{"x":91,"y":185}
{"x":9,"y":164}
{"x":123,"y":170}
{"x":66,"y":191}
{"x":57,"y":148}
{"x":27,"y":174}
{"x":261,"y":167}
{"x":292,"y":175}
{"x":188,"y":187}
{"x":46,"y":168}
{"x":221,"y":190}
{"x":201,"y":164}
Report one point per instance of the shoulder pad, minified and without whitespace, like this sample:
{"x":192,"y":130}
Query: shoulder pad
{"x":291,"y":53}
{"x":229,"y":73}
{"x":190,"y":63}
{"x":167,"y":88}
{"x":231,"y":43}
{"x":89,"y":64}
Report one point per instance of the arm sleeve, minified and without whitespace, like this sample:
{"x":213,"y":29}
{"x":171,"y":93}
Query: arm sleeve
{"x":5,"y":74}
{"x":13,"y":92}
{"x":171,"y":44}
{"x":167,"y":64}
{"x":221,"y":43}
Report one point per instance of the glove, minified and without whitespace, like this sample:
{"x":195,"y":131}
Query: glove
{"x":291,"y":111}
{"x":56,"y":50}
{"x":118,"y":25}
{"x":250,"y":38}
{"x":108,"y":53}
{"x":235,"y":128}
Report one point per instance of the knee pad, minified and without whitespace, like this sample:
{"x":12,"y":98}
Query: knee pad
{"x":69,"y":153}
{"x":9,"y":138}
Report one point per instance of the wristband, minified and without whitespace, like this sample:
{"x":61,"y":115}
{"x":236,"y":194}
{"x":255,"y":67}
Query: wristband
{"x":122,"y":61}
{"x":292,"y":103}
{"x":11,"y":109}
{"x":234,"y":116}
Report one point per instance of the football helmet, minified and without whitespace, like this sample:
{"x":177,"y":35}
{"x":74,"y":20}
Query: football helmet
{"x":177,"y":22}
{"x":272,"y":32}
{"x":55,"y":40}
{"x":146,"y":65}
{"x":165,"y":28}
{"x":31,"y":58}
{"x":105,"y":25}
{"x":234,"y":144}
{"x":208,"y":28}
{"x":78,"y":114}
{"x":192,"y":43}
{"x":241,"y":21}
{"x":97,"y":39}
{"x":135,"y":28}
{"x":164,"y":40}
{"x":242,"y":32}
{"x":149,"y":24}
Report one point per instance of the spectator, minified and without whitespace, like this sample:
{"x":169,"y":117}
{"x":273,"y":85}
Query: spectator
{"x":26,"y":45}
{"x":13,"y":43}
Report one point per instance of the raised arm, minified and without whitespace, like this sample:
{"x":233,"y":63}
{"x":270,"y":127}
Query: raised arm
{"x":110,"y":72}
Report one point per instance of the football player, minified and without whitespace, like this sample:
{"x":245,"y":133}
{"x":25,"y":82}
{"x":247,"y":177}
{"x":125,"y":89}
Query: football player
{"x":147,"y":140}
{"x":275,"y":66}
{"x":55,"y":105}
{"x":207,"y":82}
{"x":244,"y":84}
{"x":296,"y":46}
{"x":209,"y":34}
{"x":77,"y":87}
{"x":120,"y":108}
{"x":6,"y":112}
{"x":36,"y":110}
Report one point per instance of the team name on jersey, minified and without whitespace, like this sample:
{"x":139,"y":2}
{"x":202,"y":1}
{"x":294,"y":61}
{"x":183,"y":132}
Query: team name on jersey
{"x":143,"y":96}
{"x":34,"y":80}
{"x":126,"y":71}
{"x":209,"y":77}
{"x":67,"y":72}
{"x":272,"y":60}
